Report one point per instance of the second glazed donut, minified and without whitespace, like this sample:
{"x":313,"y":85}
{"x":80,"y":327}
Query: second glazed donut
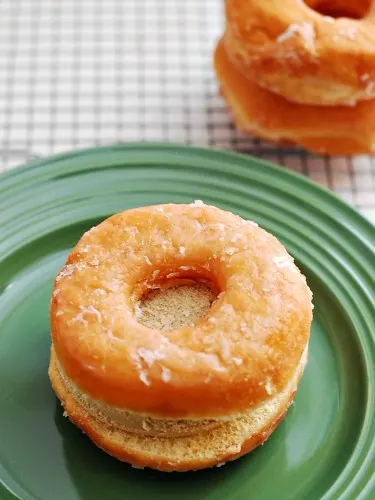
{"x":323,"y":130}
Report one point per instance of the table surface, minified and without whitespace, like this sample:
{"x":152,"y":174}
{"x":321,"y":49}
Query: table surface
{"x":75,"y":74}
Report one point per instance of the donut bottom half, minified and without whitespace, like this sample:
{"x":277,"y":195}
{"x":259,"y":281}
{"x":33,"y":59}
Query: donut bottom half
{"x":332,"y":130}
{"x":228,"y":440}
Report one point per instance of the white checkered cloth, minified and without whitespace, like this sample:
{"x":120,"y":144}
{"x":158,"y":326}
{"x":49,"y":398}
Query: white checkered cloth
{"x":79,"y":73}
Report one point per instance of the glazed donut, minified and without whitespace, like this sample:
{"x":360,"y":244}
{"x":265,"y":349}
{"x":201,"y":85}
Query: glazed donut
{"x":178,"y":397}
{"x":324,"y":130}
{"x":324,"y":56}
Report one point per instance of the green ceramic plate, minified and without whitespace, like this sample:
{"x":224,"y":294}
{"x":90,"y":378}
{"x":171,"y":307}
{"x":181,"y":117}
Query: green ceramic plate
{"x":325,"y":446}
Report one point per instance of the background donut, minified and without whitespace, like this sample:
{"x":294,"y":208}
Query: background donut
{"x":324,"y":130}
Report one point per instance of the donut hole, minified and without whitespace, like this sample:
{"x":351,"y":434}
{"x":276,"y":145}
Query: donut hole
{"x":175,"y":304}
{"x":341,"y":8}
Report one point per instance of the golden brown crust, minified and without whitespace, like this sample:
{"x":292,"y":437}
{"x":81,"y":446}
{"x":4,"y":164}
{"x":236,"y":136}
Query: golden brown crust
{"x":300,"y":54}
{"x":244,"y":350}
{"x":161,"y":455}
{"x":331,"y":130}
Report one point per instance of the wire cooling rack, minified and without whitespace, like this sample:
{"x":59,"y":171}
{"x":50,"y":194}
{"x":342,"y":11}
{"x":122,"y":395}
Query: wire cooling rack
{"x":78,"y":73}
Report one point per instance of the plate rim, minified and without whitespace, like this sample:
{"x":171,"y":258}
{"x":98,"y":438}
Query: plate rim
{"x":253,"y":162}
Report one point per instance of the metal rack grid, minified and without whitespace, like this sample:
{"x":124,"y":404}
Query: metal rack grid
{"x":75,"y":74}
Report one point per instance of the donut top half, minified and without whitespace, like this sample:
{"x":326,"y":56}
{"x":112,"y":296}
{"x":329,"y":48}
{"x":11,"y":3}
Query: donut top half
{"x":244,"y":350}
